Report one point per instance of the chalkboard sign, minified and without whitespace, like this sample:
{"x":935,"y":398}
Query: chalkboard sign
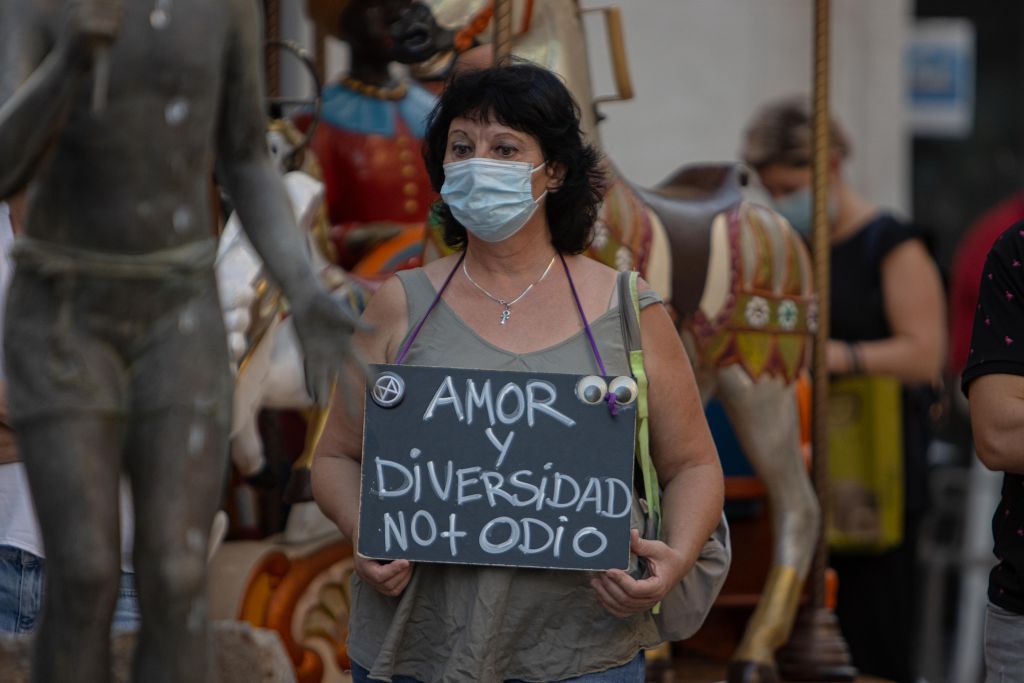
{"x":495,"y":468}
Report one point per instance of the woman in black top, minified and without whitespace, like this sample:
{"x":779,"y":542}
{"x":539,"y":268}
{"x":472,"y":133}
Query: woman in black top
{"x":887,"y":318}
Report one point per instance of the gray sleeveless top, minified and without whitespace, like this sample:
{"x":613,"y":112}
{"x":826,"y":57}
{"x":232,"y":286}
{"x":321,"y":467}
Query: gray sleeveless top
{"x":465,"y":623}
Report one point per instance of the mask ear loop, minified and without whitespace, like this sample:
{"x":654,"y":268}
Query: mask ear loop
{"x":613,"y":407}
{"x":546,"y":190}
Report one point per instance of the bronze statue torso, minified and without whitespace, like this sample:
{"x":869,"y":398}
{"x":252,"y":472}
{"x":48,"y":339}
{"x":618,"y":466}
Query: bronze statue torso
{"x":136,"y":177}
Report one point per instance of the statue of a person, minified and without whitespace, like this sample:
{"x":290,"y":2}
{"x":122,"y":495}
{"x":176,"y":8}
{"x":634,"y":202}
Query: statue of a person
{"x":116,"y":352}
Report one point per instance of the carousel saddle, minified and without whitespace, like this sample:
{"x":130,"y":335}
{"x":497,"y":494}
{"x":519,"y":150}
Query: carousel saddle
{"x":686,"y":203}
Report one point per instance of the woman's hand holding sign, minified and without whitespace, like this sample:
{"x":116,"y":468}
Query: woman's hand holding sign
{"x":389,"y":578}
{"x":622,"y":595}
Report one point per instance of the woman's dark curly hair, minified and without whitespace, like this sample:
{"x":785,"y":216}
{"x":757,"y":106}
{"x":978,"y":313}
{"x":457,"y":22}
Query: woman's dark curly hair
{"x":533,"y":100}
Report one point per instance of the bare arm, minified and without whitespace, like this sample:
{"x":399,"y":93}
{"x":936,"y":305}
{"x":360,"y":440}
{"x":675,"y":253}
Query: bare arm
{"x":916,"y":311}
{"x":688,"y":468}
{"x":336,"y":463}
{"x":340,"y":449}
{"x":16,"y":204}
{"x":39,"y":76}
{"x":681,"y":445}
{"x":997,"y":420}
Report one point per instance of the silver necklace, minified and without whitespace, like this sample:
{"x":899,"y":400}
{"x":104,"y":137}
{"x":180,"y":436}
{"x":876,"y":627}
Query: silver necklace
{"x":506,"y":312}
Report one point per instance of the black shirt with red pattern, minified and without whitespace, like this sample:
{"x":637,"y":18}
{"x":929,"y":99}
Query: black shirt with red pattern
{"x":997,"y":347}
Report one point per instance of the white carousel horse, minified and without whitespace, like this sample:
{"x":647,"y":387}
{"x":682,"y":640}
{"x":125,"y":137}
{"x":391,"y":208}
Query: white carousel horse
{"x":267,"y":360}
{"x":264,"y":348}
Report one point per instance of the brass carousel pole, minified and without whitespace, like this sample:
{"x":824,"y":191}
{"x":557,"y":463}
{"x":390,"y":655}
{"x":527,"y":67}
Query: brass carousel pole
{"x":816,"y":650}
{"x":502,"y":29}
{"x":272,"y":32}
{"x":822,"y":286}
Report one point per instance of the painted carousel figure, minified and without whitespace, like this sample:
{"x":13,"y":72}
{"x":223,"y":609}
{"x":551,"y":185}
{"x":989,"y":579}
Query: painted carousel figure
{"x":368,"y":141}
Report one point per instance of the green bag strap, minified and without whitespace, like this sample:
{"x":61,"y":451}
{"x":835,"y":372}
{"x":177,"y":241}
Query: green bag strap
{"x":629,"y":302}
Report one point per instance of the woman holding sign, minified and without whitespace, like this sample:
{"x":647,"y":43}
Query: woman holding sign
{"x":520,"y":192}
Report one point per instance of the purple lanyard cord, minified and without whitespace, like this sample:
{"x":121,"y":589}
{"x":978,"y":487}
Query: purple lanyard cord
{"x":586,"y":325}
{"x":612,"y":406}
{"x":583,"y":317}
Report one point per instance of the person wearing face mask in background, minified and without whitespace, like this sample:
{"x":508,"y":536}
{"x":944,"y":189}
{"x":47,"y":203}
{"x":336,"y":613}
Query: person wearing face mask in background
{"x":887,"y":318}
{"x":520,"y":191}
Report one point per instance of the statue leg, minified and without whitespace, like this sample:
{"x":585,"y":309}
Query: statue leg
{"x":764,"y":415}
{"x":73,"y":466}
{"x":177,"y":462}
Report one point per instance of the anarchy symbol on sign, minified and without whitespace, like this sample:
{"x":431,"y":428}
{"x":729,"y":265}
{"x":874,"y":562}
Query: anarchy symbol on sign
{"x":388,"y":390}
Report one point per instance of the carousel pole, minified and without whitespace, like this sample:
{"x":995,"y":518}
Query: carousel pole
{"x":816,"y":650}
{"x":822,"y":286}
{"x":320,"y":53}
{"x":272,"y":33}
{"x":502,"y":29}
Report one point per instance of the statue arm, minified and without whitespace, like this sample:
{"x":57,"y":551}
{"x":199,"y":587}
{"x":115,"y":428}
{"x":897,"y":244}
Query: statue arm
{"x":245,"y":166}
{"x":37,"y":81}
{"x":258,"y":192}
{"x":336,"y":463}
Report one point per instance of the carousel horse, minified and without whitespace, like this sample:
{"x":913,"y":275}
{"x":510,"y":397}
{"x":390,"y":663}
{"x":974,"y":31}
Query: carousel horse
{"x":738,"y":278}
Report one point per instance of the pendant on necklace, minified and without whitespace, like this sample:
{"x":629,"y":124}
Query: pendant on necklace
{"x":506,"y":314}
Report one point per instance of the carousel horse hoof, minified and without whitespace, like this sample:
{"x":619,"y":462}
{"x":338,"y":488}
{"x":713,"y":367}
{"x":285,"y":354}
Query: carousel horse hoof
{"x":741,"y":671}
{"x":264,"y":480}
{"x":300,"y":486}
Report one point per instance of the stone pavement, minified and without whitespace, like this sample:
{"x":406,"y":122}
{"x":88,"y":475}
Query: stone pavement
{"x":242,"y":654}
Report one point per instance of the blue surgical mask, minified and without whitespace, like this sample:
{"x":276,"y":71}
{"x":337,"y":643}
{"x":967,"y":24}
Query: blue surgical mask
{"x":797,"y":208}
{"x":493,"y":199}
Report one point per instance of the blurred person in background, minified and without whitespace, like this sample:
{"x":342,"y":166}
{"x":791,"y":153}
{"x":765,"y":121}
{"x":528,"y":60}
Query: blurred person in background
{"x":968,"y":261}
{"x":994,"y":384}
{"x":21,"y":546}
{"x":887,"y":318}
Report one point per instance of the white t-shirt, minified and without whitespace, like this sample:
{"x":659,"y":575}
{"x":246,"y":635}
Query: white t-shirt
{"x":18,"y":525}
